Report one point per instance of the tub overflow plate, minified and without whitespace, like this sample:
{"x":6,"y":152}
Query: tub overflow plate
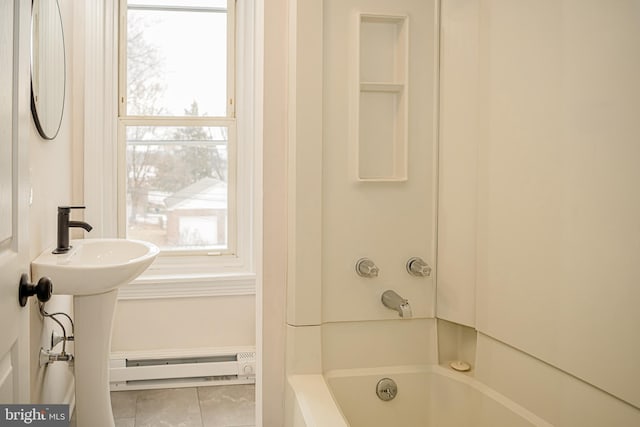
{"x":387,"y":389}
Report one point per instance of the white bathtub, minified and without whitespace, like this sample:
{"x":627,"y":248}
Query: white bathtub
{"x":428,"y":396}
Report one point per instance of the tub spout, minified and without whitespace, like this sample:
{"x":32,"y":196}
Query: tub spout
{"x":393,"y":301}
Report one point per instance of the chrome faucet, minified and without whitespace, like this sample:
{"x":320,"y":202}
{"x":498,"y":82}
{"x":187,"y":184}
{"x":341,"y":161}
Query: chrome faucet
{"x":392,"y":300}
{"x":63,"y":228}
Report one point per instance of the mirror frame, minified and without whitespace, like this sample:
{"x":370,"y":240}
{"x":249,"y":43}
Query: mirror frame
{"x":39,"y":117}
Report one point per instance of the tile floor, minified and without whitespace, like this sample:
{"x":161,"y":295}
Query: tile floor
{"x":218,"y":406}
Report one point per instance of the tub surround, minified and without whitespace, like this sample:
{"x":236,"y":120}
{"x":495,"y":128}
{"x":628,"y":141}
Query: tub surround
{"x":517,"y":380}
{"x":335,"y":219}
{"x":536,"y":205}
{"x":347,"y":345}
{"x":559,"y":398}
{"x":389,"y":219}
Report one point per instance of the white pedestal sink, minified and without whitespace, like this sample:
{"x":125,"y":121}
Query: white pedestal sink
{"x":92,"y":271}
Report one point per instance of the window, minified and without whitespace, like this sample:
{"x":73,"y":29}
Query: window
{"x":179,"y":184}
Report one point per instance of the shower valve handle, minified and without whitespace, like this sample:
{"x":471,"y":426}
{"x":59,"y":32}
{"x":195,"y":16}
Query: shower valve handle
{"x":417,"y":267}
{"x":366,"y":268}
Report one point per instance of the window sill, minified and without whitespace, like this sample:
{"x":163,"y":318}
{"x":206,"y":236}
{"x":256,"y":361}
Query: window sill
{"x":188,"y":286}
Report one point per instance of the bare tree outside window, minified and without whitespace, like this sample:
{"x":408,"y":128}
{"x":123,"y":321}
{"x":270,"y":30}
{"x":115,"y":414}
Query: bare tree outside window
{"x":144,"y":70}
{"x":144,"y":88}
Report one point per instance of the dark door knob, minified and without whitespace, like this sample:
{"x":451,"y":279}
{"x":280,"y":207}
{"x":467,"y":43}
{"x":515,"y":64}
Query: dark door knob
{"x":42,"y":290}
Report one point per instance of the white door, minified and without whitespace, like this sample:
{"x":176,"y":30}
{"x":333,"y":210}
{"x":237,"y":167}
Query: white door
{"x":14,"y":122}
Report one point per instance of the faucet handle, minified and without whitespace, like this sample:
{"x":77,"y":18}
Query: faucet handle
{"x":417,"y":267}
{"x":366,"y":268}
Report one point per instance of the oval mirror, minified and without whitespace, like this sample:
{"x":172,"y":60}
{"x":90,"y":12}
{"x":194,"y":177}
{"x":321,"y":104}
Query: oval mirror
{"x":48,"y":70}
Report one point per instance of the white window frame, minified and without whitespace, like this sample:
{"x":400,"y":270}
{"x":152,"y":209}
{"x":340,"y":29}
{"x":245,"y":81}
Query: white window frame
{"x":199,"y":272}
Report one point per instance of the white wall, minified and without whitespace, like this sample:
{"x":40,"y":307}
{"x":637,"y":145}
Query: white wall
{"x":539,"y":202}
{"x":51,"y":169}
{"x":184,"y":323}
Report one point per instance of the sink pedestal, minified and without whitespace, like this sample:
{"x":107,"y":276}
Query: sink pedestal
{"x":92,"y":346}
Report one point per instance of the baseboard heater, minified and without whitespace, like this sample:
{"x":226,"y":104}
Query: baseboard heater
{"x":149,"y":370}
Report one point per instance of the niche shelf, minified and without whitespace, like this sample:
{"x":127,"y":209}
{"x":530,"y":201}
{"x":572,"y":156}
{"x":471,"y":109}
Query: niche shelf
{"x":380,"y":113}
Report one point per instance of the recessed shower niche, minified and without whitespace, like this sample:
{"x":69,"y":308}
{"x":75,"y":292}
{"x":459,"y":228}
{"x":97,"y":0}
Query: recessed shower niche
{"x":380,"y":113}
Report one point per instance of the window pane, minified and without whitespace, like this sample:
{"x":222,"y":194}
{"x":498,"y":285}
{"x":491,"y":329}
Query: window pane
{"x":177,"y":186}
{"x":177,"y":57}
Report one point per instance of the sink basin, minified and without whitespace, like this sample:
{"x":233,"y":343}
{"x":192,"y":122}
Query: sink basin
{"x":94,"y":266}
